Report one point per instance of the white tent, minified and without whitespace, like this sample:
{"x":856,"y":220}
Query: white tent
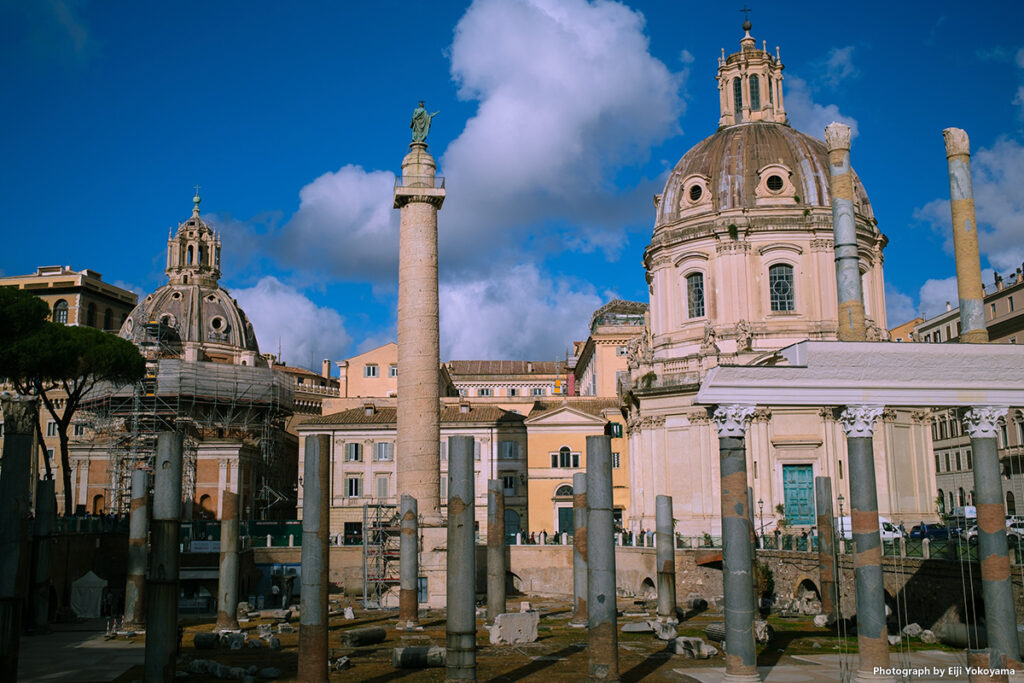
{"x":87,"y":595}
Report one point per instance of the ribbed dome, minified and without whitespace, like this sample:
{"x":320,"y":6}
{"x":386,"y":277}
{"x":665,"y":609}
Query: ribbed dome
{"x":197,"y":313}
{"x":730,"y":168}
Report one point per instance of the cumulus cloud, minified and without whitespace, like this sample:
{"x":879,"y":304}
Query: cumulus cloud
{"x":516,"y":314}
{"x":138,"y":291}
{"x":838,"y":66}
{"x":997,"y":174}
{"x":283,"y":316}
{"x":808,"y":116}
{"x":935,"y":294}
{"x":567,"y":93}
{"x":899,"y":307}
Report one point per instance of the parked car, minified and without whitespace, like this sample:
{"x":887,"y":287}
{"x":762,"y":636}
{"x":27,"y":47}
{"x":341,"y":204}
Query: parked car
{"x":932,"y":532}
{"x":1014,"y":533}
{"x":886,"y":529}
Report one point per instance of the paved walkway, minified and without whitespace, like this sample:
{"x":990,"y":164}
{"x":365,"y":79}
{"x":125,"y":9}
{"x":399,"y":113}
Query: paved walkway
{"x":926,"y":666}
{"x":77,"y":652}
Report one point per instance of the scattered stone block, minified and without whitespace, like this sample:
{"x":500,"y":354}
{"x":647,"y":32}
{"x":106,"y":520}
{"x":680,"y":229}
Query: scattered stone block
{"x":285,"y":627}
{"x":349,"y":614}
{"x":763,"y":631}
{"x":281,"y":614}
{"x":512,"y":628}
{"x":637,"y":627}
{"x":264,"y":630}
{"x":269,"y":672}
{"x":894,"y":639}
{"x":929,"y":637}
{"x":339,"y":664}
{"x":254,"y":643}
{"x":913,"y":630}
{"x":242,"y":611}
{"x":199,"y":666}
{"x":821,"y":620}
{"x":233,"y":640}
{"x":206,"y":641}
{"x":693,"y":648}
{"x":524,"y":606}
{"x":418,"y":657}
{"x":274,"y":643}
{"x":357,"y":637}
{"x":663,"y":630}
{"x":816,"y":645}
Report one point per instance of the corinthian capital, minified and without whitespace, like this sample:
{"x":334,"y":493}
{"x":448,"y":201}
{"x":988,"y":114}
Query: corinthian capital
{"x":731,"y":420}
{"x":20,"y":412}
{"x":956,"y":141}
{"x":981,"y":422}
{"x":837,"y":136}
{"x":859,"y":421}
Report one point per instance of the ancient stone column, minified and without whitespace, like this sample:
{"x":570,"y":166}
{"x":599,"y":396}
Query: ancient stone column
{"x":138,"y":556}
{"x":965,"y":237}
{"x":579,"y":548}
{"x":46,"y":515}
{"x":737,"y":552}
{"x":826,"y":544}
{"x":664,"y":539}
{"x":162,"y":581}
{"x":872,"y":635}
{"x":419,"y":195}
{"x":20,"y":416}
{"x":315,"y":558}
{"x":602,"y":633}
{"x":981,"y":424}
{"x":848,"y":283}
{"x":461,"y":579}
{"x":495,"y":549}
{"x":227,"y":585}
{"x":409,"y":565}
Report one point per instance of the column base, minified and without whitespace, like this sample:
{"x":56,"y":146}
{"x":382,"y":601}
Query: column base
{"x":741,"y":678}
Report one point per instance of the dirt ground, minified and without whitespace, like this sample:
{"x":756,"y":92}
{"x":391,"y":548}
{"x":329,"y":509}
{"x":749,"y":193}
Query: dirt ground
{"x":559,"y":654}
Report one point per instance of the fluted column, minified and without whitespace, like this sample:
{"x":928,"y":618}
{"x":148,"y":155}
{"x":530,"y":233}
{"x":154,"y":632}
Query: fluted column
{"x":848,"y":284}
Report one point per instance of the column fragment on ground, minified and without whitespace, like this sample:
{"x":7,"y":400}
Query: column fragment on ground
{"x":737,"y":552}
{"x":138,"y":537}
{"x":418,"y":438}
{"x":409,"y":564}
{"x":227,"y":588}
{"x":872,"y":635}
{"x":461,"y":579}
{"x":666,"y":557}
{"x":826,"y":544}
{"x":162,"y":581}
{"x":848,"y":282}
{"x":495,"y":549}
{"x":21,"y":414}
{"x":602,"y":623}
{"x":579,"y":548}
{"x":315,"y":558}
{"x":965,"y":237}
{"x":981,"y":424}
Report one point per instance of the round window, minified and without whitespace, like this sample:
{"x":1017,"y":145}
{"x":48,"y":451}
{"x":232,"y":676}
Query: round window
{"x":218,"y":323}
{"x":695,"y":193}
{"x":211,"y":298}
{"x":176,"y":295}
{"x":774,"y":183}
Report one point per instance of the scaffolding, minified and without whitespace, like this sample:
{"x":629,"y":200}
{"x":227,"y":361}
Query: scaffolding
{"x":199,"y":399}
{"x":381,"y":545}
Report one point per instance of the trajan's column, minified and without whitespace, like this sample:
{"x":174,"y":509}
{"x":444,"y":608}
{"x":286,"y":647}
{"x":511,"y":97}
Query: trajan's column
{"x":419,"y":195}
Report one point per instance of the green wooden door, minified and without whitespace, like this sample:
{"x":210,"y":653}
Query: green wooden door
{"x":798,"y":489}
{"x":565,"y":520}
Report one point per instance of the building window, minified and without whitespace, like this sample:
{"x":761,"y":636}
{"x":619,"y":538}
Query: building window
{"x":970,"y":461}
{"x":508,"y":450}
{"x":780,"y":285}
{"x":565,"y":458}
{"x":483,"y":391}
{"x":947,"y":462}
{"x":353,"y":533}
{"x":563,"y":491}
{"x":960,"y":498}
{"x":382,"y":487}
{"x":444,"y":488}
{"x":384,"y":451}
{"x":1011,"y":304}
{"x":444,"y":451}
{"x":508,"y":482}
{"x":513,"y":392}
{"x":771,"y":91}
{"x":938,"y":467}
{"x":695,"y":295}
{"x":79,"y":430}
{"x":1013,"y":340}
{"x":90,"y":315}
{"x":958,"y":463}
{"x":537,"y":391}
{"x":620,"y":350}
{"x":942,"y":502}
{"x":993,"y":310}
{"x":840,"y":469}
{"x":1020,"y":433}
{"x":1011,"y":503}
{"x":370,"y":370}
{"x":60,"y":312}
{"x":476,"y":449}
{"x":1002,"y":436}
{"x":354,"y":487}
{"x":108,"y":320}
{"x":353,"y":452}
{"x":51,"y":428}
{"x":392,"y":370}
{"x":755,"y":93}
{"x":737,"y":99}
{"x":617,"y":461}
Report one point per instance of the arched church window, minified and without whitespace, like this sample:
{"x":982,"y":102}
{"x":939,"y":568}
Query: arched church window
{"x":695,"y":295}
{"x":942,"y":502}
{"x":755,"y":93}
{"x":737,"y":98}
{"x":771,"y":90}
{"x":780,"y":287}
{"x":188,"y":258}
{"x":90,"y":315}
{"x":60,"y":312}
{"x":563,"y":490}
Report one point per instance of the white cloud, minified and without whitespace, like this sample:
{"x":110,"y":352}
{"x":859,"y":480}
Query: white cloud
{"x":567,"y":93}
{"x":998,"y":174}
{"x":935,"y":294}
{"x":138,"y":291}
{"x":516,"y":314}
{"x":808,"y":116}
{"x":899,"y":307}
{"x":282,"y":315}
{"x":1020,"y":58}
{"x":838,"y":66}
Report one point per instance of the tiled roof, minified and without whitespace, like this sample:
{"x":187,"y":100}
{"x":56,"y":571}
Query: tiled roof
{"x":388,"y":416}
{"x":592,"y":406}
{"x":506,"y":367}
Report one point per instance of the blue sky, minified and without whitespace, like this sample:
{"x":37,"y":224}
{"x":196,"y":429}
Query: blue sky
{"x":559,"y":120}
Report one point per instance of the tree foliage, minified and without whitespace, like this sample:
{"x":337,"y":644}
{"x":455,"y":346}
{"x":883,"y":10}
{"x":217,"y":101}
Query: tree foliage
{"x":61,"y":364}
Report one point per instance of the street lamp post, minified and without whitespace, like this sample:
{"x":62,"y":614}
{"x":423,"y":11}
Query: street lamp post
{"x":760,"y":512}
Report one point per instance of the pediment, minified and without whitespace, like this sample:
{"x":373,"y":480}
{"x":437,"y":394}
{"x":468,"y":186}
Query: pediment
{"x":565,"y":415}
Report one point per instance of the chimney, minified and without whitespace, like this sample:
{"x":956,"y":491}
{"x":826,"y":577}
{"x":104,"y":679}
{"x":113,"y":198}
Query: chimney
{"x":999,"y":282}
{"x":949,"y":306}
{"x":369,"y":409}
{"x":325,"y":368}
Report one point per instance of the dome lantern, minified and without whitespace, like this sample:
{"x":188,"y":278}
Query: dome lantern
{"x":750,"y":84}
{"x":193,"y":252}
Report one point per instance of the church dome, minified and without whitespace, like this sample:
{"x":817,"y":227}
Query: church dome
{"x":757,"y":164}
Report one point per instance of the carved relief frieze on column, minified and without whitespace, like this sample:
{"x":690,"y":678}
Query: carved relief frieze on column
{"x":859,"y":421}
{"x":731,"y":420}
{"x":983,"y":422}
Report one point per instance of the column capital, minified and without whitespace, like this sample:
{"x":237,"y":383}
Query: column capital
{"x":859,"y":420}
{"x":981,"y":422}
{"x":731,"y":420}
{"x":20,"y":412}
{"x":956,"y":141}
{"x":837,"y":136}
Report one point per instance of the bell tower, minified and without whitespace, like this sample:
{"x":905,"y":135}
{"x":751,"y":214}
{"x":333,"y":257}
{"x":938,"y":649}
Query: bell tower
{"x":193,"y":253}
{"x":750,"y":84}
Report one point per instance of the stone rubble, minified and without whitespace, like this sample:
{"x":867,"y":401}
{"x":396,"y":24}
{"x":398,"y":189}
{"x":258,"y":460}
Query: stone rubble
{"x":514,"y":628}
{"x":693,"y":648}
